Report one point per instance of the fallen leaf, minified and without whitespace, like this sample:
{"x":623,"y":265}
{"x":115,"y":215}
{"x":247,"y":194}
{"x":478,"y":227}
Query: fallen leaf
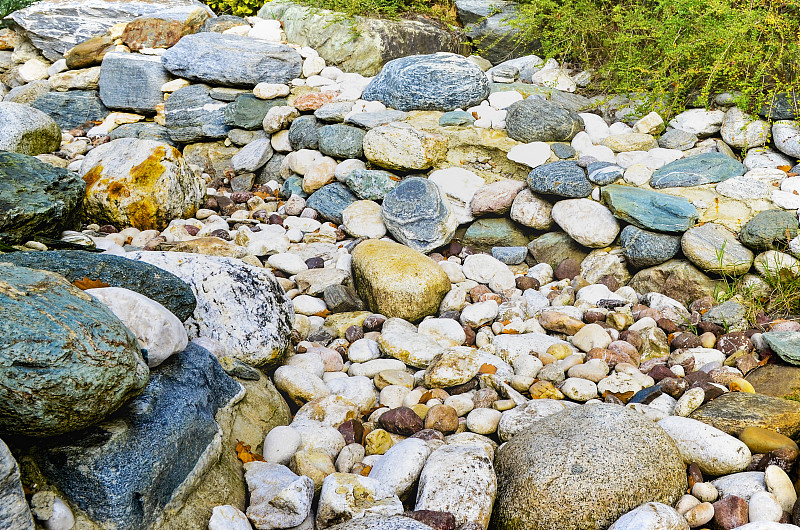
{"x":365,"y":471}
{"x":487,"y":369}
{"x":785,"y":168}
{"x":244,"y":454}
{"x":86,"y":283}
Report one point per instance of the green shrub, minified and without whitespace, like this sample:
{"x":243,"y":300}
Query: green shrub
{"x":673,"y":49}
{"x":9,"y":6}
{"x":240,"y":8}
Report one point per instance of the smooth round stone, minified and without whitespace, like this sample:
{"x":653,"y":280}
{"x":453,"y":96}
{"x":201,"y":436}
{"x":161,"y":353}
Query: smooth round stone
{"x":399,"y":146}
{"x":593,"y":370}
{"x":715,"y":452}
{"x":453,"y":366}
{"x":744,"y":188}
{"x":579,"y":389}
{"x":308,"y":305}
{"x":476,"y":315}
{"x":696,"y":170}
{"x":714,"y":248}
{"x":700,"y":122}
{"x":308,"y":362}
{"x":461,"y":403}
{"x":771,"y":262}
{"x":456,"y":118}
{"x":392,"y":396}
{"x":699,"y":515}
{"x":299,"y":385}
{"x":564,"y":178}
{"x":486,"y":233}
{"x":417,"y":215}
{"x":629,"y":142}
{"x":495,"y":198}
{"x":562,"y":150}
{"x":604,"y":173}
{"x":677,"y":139}
{"x":330,"y":201}
{"x":653,"y":516}
{"x":689,"y":402}
{"x":394,"y":377}
{"x":588,"y":222}
{"x":762,"y":157}
{"x":532,"y":154}
{"x":763,"y":506}
{"x":741,"y":131}
{"x":522,"y":418}
{"x":591,"y":336}
{"x":341,"y":141}
{"x":488,"y":270}
{"x":643,"y":248}
{"x":740,"y":484}
{"x":280,"y":444}
{"x":228,"y":517}
{"x":483,"y":420}
{"x":289,"y":263}
{"x":538,"y":120}
{"x":399,"y":468}
{"x":768,"y":229}
{"x":786,"y":136}
{"x":364,"y":219}
{"x":510,"y":255}
{"x":445,"y":331}
{"x":358,"y":388}
{"x":705,"y":491}
{"x":779,"y":484}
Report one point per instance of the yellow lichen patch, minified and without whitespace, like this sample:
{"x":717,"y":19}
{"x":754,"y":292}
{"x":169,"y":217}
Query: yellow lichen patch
{"x":92,"y":176}
{"x":117,"y":190}
{"x":143,"y":214}
{"x":146,"y":174}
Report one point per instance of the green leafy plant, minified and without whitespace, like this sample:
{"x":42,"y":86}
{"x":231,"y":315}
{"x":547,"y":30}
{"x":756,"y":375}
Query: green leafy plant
{"x":9,"y":6}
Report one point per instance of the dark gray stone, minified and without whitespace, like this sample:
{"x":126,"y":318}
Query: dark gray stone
{"x":66,"y":362}
{"x":143,"y":131}
{"x":131,"y":81}
{"x":117,"y":271}
{"x":232,"y":60}
{"x":769,"y":230}
{"x":341,"y":141}
{"x":407,"y":83}
{"x":125,"y":471}
{"x":564,"y":178}
{"x":677,"y":139}
{"x":456,"y":118}
{"x":415,"y":214}
{"x":562,"y":150}
{"x":604,"y":173}
{"x":222,"y":23}
{"x":371,"y":184}
{"x":192,"y":115}
{"x":247,"y":111}
{"x":510,"y":255}
{"x":330,"y":201}
{"x":14,"y":511}
{"x":650,"y":210}
{"x":342,"y":299}
{"x":303,"y":133}
{"x":539,"y":120}
{"x":488,"y":25}
{"x":272,"y":170}
{"x":643,"y":248}
{"x":706,"y":168}
{"x":370,"y":120}
{"x":783,"y":106}
{"x":37,"y":199}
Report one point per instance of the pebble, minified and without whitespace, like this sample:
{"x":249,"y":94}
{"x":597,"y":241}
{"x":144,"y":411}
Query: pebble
{"x":714,"y":451}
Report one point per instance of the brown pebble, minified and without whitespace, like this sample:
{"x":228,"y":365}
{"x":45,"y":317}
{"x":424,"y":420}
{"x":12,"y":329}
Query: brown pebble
{"x":374,"y":322}
{"x":108,"y":229}
{"x":784,"y":458}
{"x":435,"y":256}
{"x":609,"y":281}
{"x":476,"y":292}
{"x":463,"y":388}
{"x":590,"y":317}
{"x":470,"y":333}
{"x":484,"y":398}
{"x":746,"y":363}
{"x":711,"y":327}
{"x":434,"y":519}
{"x":453,"y":249}
{"x":485,"y":297}
{"x":668,"y":325}
{"x":731,"y":343}
{"x":428,"y":434}
{"x":526,"y":282}
{"x":694,"y":475}
{"x":730,"y":512}
{"x":660,"y":372}
{"x":442,"y":418}
{"x":401,"y":420}
{"x":567,"y":269}
{"x":674,"y":386}
{"x":353,"y":333}
{"x":221,"y":233}
{"x":697,"y":377}
{"x":241,"y":196}
{"x":701,"y":305}
{"x":261,"y":216}
{"x":315,"y":263}
{"x":633,"y":338}
{"x":712,"y":391}
{"x":275,"y":219}
{"x":352,"y":431}
{"x":685,"y":339}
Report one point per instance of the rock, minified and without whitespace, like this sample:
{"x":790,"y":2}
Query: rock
{"x":364,"y":219}
{"x":403,"y":83}
{"x":487,"y":26}
{"x":460,"y":186}
{"x":252,"y":157}
{"x":341,"y":141}
{"x":554,"y":247}
{"x":40,"y":406}
{"x":374,"y":522}
{"x":397,"y":281}
{"x":784,"y":343}
{"x":588,"y":222}
{"x":278,"y":497}
{"x":538,"y":120}
{"x":27,"y":130}
{"x":539,"y":468}
{"x":654,"y":515}
{"x":740,"y":484}
{"x":734,"y":411}
{"x":700,"y":122}
{"x":241,"y":306}
{"x":371,"y":184}
{"x":786,"y":136}
{"x":228,"y":518}
{"x":696,"y":170}
{"x":360,"y":44}
{"x":417,"y":215}
{"x":650,"y":210}
{"x":782,"y":106}
{"x":532,"y":154}
{"x":761,"y":441}
{"x":151,"y":32}
{"x":141,"y":183}
{"x":71,"y":109}
{"x":768,"y":229}
{"x":36,"y":199}
{"x":714,"y":248}
{"x":178,"y":406}
{"x":484,"y":234}
{"x":130,"y":81}
{"x":331,"y":200}
{"x":776,"y":380}
{"x":303,"y":133}
{"x":459,"y":479}
{"x":143,"y":131}
{"x":741,"y":131}
{"x":399,"y":146}
{"x":193,"y":115}
{"x":715,"y":452}
{"x":399,"y":468}
{"x":643,"y":248}
{"x":371,"y":120}
{"x":604,"y":173}
{"x":564,"y":178}
{"x":532,"y":211}
{"x":55,"y":27}
{"x":730,"y":512}
{"x":620,"y":143}
{"x":412,"y":348}
{"x":452,"y":367}
{"x":248,"y":111}
{"x":205,"y":57}
{"x":13,"y":506}
{"x":345,"y":496}
{"x":677,"y":139}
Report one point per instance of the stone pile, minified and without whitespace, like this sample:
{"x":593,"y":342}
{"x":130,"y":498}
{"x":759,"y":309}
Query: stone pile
{"x":478,"y":291}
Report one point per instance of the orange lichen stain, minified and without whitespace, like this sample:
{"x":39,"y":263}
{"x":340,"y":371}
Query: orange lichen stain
{"x":117,"y":190}
{"x":487,"y":369}
{"x":92,"y":176}
{"x":147,"y":173}
{"x":142,"y":214}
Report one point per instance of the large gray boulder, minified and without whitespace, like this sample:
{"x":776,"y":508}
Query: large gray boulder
{"x":540,"y":120}
{"x":488,"y":26}
{"x":55,"y":26}
{"x":36,"y":198}
{"x":360,"y":44}
{"x":209,"y":58}
{"x":131,"y":81}
{"x":14,"y":510}
{"x":27,"y":130}
{"x":73,"y":108}
{"x":193,"y":115}
{"x":66,"y":361}
{"x":440,"y":81}
{"x":581,"y":469}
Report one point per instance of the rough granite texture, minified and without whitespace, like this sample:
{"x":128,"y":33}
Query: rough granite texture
{"x":131,"y":81}
{"x":73,"y":108}
{"x":14,"y":511}
{"x":192,"y":115}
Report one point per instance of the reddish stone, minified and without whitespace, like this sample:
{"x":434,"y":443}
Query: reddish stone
{"x":436,"y":520}
{"x":674,"y":386}
{"x":402,"y":421}
{"x":442,"y":418}
{"x":353,"y":333}
{"x":312,"y":100}
{"x":476,"y":292}
{"x":609,"y":281}
{"x":526,"y":282}
{"x":685,"y":339}
{"x":660,"y":372}
{"x":730,"y":512}
{"x":352,"y":431}
{"x":484,"y":398}
{"x":694,"y":474}
{"x":496,"y":198}
{"x":374,"y":322}
{"x":428,"y":434}
{"x":731,"y":343}
{"x":633,"y":338}
{"x":590,"y":317}
{"x":567,"y":269}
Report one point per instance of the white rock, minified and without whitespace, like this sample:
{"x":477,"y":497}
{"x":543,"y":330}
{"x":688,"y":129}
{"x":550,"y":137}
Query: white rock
{"x":280,"y":141}
{"x":345,"y":496}
{"x":619,"y":127}
{"x":313,"y":66}
{"x":358,"y":389}
{"x":278,"y":118}
{"x":786,"y":200}
{"x":460,"y":480}
{"x":579,"y":389}
{"x":399,"y":468}
{"x":156,"y":329}
{"x":485,"y":269}
{"x":588,"y":222}
{"x":502,"y":100}
{"x":280,"y":444}
{"x":650,"y":124}
{"x":445,"y":331}
{"x":349,"y":456}
{"x":762,"y":157}
{"x":345,"y":167}
{"x":483,"y":420}
{"x":319,"y":437}
{"x":363,"y":350}
{"x":271,"y":90}
{"x":699,"y":122}
{"x":532,"y":154}
{"x":289,"y":263}
{"x":462,"y":403}
{"x":786,"y":136}
{"x":715,"y":452}
{"x":763,"y":506}
{"x":532,"y":211}
{"x":767,"y":525}
{"x":595,"y":126}
{"x":228,"y":517}
{"x":527,"y":365}
{"x":300,"y":385}
{"x":742,"y":131}
{"x":600,"y":152}
{"x":364,"y":219}
{"x":509,"y":347}
{"x":308,"y":362}
{"x":370,"y":369}
{"x":651,"y":516}
{"x":689,"y":401}
{"x":458,"y":185}
{"x":476,"y":315}
{"x":554,"y":78}
{"x":779,"y":484}
{"x":591,"y":336}
{"x":278,"y":497}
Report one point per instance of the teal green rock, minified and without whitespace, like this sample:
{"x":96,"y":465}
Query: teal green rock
{"x":484,"y":234}
{"x":786,"y":344}
{"x":247,"y":111}
{"x":371,"y":184}
{"x":706,"y":168}
{"x":456,"y":118}
{"x":769,"y":229}
{"x":293,"y":186}
{"x":37,"y":198}
{"x":66,"y":362}
{"x":650,"y":210}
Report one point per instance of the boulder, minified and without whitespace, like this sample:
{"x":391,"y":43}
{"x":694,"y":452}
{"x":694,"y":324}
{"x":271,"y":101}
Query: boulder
{"x":131,"y":81}
{"x":397,"y":281}
{"x":650,"y":210}
{"x":192,"y":115}
{"x":769,"y":230}
{"x":485,"y":234}
{"x":72,"y":109}
{"x":37,"y":199}
{"x":418,"y":216}
{"x":540,"y":120}
{"x":402,"y":147}
{"x":714,"y":248}
{"x":487,"y":26}
{"x":206,"y":57}
{"x":405,"y":83}
{"x":539,"y":471}
{"x":140,"y":183}
{"x":715,"y":452}
{"x":156,"y":32}
{"x":14,"y":510}
{"x":55,"y":26}
{"x":643,"y":248}
{"x":27,"y":130}
{"x":106,"y":473}
{"x":564,"y":178}
{"x":86,"y":346}
{"x":240,"y":306}
{"x":677,"y":279}
{"x":734,"y":411}
{"x":360,"y":44}
{"x":116,"y":271}
{"x":707,"y":168}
